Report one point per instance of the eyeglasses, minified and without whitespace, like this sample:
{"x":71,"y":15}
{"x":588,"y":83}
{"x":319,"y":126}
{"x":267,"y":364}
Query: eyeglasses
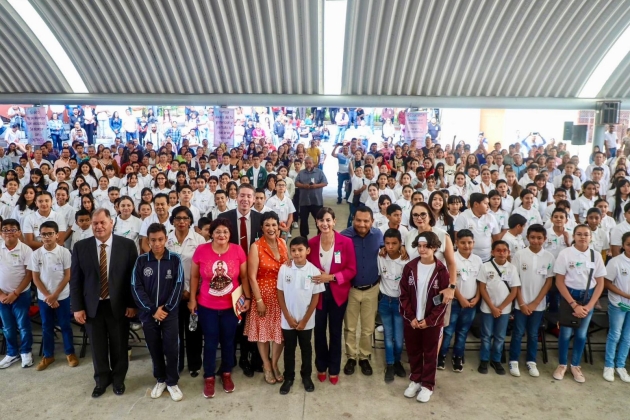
{"x":420,"y":215}
{"x":9,"y":230}
{"x":182,"y":219}
{"x":47,"y":234}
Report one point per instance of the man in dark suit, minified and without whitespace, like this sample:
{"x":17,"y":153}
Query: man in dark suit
{"x":100,"y":292}
{"x":245,"y":229}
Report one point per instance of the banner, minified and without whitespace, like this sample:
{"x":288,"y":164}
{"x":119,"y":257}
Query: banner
{"x":416,"y":127}
{"x":37,"y":124}
{"x":224,"y":126}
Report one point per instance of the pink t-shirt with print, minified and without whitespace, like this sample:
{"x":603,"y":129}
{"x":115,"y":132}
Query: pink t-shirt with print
{"x":219,"y":275}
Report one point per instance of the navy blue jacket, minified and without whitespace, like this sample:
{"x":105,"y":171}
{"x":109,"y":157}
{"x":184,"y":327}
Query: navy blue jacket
{"x":157,"y":283}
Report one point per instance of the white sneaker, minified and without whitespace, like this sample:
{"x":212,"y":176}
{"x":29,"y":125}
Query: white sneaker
{"x":424,"y":395}
{"x":609,"y":374}
{"x":158,"y":389}
{"x":27,"y":359}
{"x":623,"y":374}
{"x":176,"y":393}
{"x":514,"y":369}
{"x":412,"y":389}
{"x":8,"y":361}
{"x":532,"y":369}
{"x":295,"y":225}
{"x":379,"y":329}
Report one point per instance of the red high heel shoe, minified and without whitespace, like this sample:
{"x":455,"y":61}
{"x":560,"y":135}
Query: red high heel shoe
{"x":333,"y":379}
{"x":321,"y":376}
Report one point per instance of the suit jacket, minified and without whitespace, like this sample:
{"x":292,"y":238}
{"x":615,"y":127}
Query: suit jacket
{"x":232,"y":216}
{"x":345,"y":270}
{"x":85,"y":277}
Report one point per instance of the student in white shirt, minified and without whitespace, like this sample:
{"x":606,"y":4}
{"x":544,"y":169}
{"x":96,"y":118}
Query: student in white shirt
{"x":617,"y":281}
{"x":127,"y":223}
{"x":584,"y":202}
{"x":507,"y":201}
{"x":82,"y":228}
{"x":535,"y":269}
{"x":464,"y":306}
{"x":500,"y":216}
{"x":51,"y":274}
{"x":298,"y":287}
{"x":372,"y":200}
{"x":25,"y":205}
{"x":185,"y":196}
{"x":33,"y":221}
{"x":514,"y":236}
{"x":558,"y":237}
{"x":283,"y":206}
{"x":527,"y":210}
{"x":618,"y":201}
{"x":394,"y":218}
{"x":459,"y":187}
{"x":617,"y":232}
{"x":380,"y":218}
{"x":607,"y":223}
{"x":498,"y":285}
{"x":599,"y":237}
{"x":202,"y":198}
{"x":573,"y":267}
{"x":260,"y":200}
{"x":559,"y":194}
{"x":480,"y":223}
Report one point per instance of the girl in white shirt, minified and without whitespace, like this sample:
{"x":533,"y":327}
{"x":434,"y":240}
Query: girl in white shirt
{"x":372,"y":201}
{"x":607,"y":223}
{"x":405,"y":179}
{"x":101,"y":194}
{"x":599,"y":238}
{"x":405,"y":204}
{"x":132,"y":189}
{"x":618,"y":200}
{"x":494,"y":208}
{"x":25,"y":205}
{"x":526,"y":209}
{"x":585,"y":202}
{"x":459,"y":188}
{"x":380,"y":218}
{"x":558,"y":237}
{"x":127,"y":223}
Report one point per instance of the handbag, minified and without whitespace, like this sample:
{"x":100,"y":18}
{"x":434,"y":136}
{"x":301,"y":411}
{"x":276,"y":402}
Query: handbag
{"x":565,"y":311}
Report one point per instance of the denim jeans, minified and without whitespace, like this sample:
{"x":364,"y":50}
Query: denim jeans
{"x":522,"y":324}
{"x":389,"y":309}
{"x":618,"y":341}
{"x":352,"y":117}
{"x":492,"y":328}
{"x":459,"y":324}
{"x":341,"y":177}
{"x":218,"y":326}
{"x":57,"y":142}
{"x":613,"y":151}
{"x":15,"y":317}
{"x":579,"y":340}
{"x":341,"y":132}
{"x":62,"y":313}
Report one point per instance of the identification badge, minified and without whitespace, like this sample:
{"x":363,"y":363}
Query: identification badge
{"x":590,"y":264}
{"x":542,"y":271}
{"x":307,"y":283}
{"x":57,"y":267}
{"x":313,"y":180}
{"x":337,"y":257}
{"x":16,"y":261}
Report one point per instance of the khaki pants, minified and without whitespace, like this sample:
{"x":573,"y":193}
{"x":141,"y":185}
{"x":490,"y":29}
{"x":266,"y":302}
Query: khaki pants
{"x":362,"y":304}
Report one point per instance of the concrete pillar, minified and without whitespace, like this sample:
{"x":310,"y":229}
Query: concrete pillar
{"x":598,"y":136}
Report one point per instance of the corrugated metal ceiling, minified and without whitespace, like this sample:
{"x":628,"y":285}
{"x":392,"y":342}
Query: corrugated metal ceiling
{"x":618,"y":85}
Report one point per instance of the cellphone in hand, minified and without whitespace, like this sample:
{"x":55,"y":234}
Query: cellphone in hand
{"x":437,"y":300}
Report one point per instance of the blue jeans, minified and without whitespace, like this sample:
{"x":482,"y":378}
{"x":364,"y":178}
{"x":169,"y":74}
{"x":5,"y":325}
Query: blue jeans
{"x":341,"y":132}
{"x":618,"y":341}
{"x":352,"y":117}
{"x":492,"y":328}
{"x":130,"y":135}
{"x":522,"y":324}
{"x":613,"y":151}
{"x":341,"y":177}
{"x":388,"y":308}
{"x":62,"y":313}
{"x":459,"y":324}
{"x":579,"y":340}
{"x":57,"y":142}
{"x":369,"y":121}
{"x":15,"y":317}
{"x":218,"y":326}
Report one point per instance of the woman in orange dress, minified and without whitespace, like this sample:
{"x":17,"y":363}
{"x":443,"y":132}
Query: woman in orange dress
{"x":265,"y":258}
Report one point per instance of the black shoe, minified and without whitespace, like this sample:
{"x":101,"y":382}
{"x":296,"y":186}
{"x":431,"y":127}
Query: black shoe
{"x":194,"y":373}
{"x":286,"y":386}
{"x":498,"y":368}
{"x":389,"y":373}
{"x":463,"y":360}
{"x":441,"y":362}
{"x":366,"y":369}
{"x":348,"y":369}
{"x":399,"y":370}
{"x":483,"y":367}
{"x":309,"y":386}
{"x":458,"y":366}
{"x":98,"y":391}
{"x":247,"y":368}
{"x":119,"y":389}
{"x":338,"y":201}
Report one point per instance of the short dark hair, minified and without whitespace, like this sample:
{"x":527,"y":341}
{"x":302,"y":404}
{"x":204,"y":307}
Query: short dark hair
{"x":246,"y":186}
{"x":382,"y":198}
{"x":392,"y":233}
{"x":393,"y":208}
{"x":82,"y":212}
{"x":366,"y":209}
{"x":538,"y":228}
{"x":465,"y":233}
{"x":299,"y":240}
{"x":160,"y":195}
{"x":156,"y":228}
{"x":499,"y":242}
{"x":476,"y":198}
{"x":180,"y":209}
{"x":516,"y":220}
{"x":50,"y":225}
{"x":11,"y":222}
{"x":269,"y":215}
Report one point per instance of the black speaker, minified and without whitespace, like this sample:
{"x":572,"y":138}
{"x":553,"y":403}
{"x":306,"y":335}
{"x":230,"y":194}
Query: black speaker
{"x":568,"y":131}
{"x":608,"y":112}
{"x":578,"y":137}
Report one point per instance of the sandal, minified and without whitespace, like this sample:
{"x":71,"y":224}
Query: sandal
{"x":278,"y":375}
{"x":269,"y":378}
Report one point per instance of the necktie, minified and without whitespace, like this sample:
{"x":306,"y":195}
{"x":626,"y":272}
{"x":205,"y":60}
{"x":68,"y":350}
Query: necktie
{"x":243,"y":238}
{"x":103,"y":270}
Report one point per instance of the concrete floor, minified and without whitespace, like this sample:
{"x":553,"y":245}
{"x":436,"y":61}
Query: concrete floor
{"x":62,"y":392}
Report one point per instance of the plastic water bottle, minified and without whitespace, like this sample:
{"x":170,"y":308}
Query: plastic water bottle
{"x":192,"y":325}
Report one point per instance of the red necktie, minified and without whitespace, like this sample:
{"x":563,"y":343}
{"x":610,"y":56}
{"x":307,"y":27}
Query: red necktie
{"x":243,"y":238}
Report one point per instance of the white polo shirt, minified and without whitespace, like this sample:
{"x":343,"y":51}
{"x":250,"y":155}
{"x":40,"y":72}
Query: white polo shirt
{"x":575,"y":266}
{"x":298,"y":287}
{"x":51,"y":265}
{"x":507,"y":203}
{"x":501,"y":217}
{"x":13,"y":266}
{"x":33,"y":222}
{"x":581,"y":206}
{"x":617,"y":233}
{"x":467,"y":272}
{"x":533,"y":270}
{"x":129,"y":228}
{"x":599,"y":240}
{"x":283,"y":207}
{"x":515,"y":243}
{"x":555,"y":243}
{"x":390,"y":272}
{"x":403,"y":231}
{"x":203,"y":200}
{"x":185,"y":250}
{"x":532,"y":215}
{"x":618,"y":272}
{"x":495,"y":284}
{"x":154,"y":219}
{"x":482,"y":228}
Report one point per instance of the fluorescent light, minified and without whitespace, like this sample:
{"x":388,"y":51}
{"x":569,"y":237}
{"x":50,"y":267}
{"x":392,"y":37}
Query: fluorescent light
{"x":334,"y":37}
{"x":606,"y":66}
{"x":43,"y":33}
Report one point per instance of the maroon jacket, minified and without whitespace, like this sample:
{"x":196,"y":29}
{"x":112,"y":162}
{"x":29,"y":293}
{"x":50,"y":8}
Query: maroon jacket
{"x":433,"y":315}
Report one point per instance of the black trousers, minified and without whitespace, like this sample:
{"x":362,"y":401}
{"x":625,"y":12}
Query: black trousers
{"x":109,"y":337}
{"x":296,"y":204}
{"x":291,"y":339}
{"x":329,"y":319}
{"x":190,"y":342}
{"x":304,"y":213}
{"x":249,"y":349}
{"x":163,"y":343}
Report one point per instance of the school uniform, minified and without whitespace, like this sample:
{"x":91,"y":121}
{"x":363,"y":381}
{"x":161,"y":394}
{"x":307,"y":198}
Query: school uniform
{"x":482,"y":228}
{"x":501,"y":217}
{"x":533,"y":270}
{"x":390,"y":271}
{"x":462,"y":318}
{"x":153,"y":218}
{"x":581,"y":206}
{"x":618,"y":340}
{"x":33,"y":222}
{"x":79,"y":234}
{"x":515,"y":243}
{"x":204,"y":201}
{"x":617,"y":232}
{"x":498,"y":287}
{"x":599,"y":240}
{"x":298,"y":289}
{"x":380,"y":220}
{"x":51,"y":266}
{"x":129,"y":228}
{"x":507,"y":203}
{"x":555,"y":243}
{"x":283,"y":207}
{"x":405,"y":205}
{"x":532,"y":216}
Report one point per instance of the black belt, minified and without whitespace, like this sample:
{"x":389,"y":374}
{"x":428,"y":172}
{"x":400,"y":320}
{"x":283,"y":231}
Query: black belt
{"x":369,"y":286}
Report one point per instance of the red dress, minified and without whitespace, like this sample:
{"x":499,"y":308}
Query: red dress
{"x":268,"y":327}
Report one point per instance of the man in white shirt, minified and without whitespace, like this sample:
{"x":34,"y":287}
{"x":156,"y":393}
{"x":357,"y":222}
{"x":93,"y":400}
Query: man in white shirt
{"x":610,"y":141}
{"x":480,"y":223}
{"x":15,"y":135}
{"x":599,"y":162}
{"x":154,"y":136}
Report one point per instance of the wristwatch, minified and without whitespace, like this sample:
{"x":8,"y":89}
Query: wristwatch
{"x":247,"y":298}
{"x":452,"y":286}
{"x":334,"y":278}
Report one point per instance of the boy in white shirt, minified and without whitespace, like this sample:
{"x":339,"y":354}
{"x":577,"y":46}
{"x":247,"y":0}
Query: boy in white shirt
{"x":259,"y":202}
{"x":220,"y":199}
{"x":202,"y":199}
{"x":44,"y":213}
{"x":82,"y":228}
{"x":498,"y":285}
{"x":283,"y":206}
{"x":464,"y":306}
{"x":535,"y":269}
{"x":513,"y":237}
{"x":394,"y":218}
{"x":299,"y":287}
{"x":51,"y":275}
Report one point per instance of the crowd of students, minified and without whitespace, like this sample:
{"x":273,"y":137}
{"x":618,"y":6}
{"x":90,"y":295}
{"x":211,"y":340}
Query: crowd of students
{"x":460,"y":231}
